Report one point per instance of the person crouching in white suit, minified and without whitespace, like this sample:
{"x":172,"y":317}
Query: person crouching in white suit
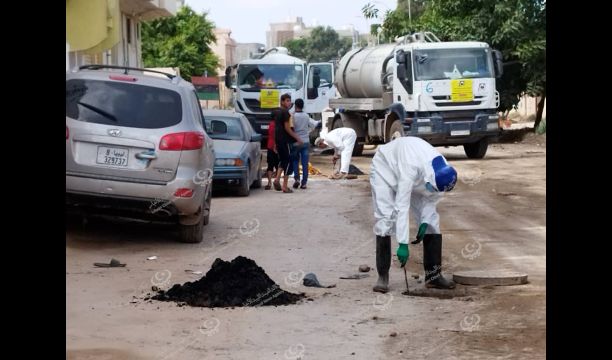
{"x":342,"y":140}
{"x":409,"y":174}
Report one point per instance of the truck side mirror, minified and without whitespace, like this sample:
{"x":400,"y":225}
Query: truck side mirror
{"x":404,"y":71}
{"x":400,"y":56}
{"x":401,"y":72}
{"x":316,"y":78}
{"x":313,"y":92}
{"x":228,"y":77}
{"x":499,"y":63}
{"x":408,"y":65}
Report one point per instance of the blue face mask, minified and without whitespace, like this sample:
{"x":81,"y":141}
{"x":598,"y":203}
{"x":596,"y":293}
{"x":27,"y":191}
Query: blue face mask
{"x":430,"y":188}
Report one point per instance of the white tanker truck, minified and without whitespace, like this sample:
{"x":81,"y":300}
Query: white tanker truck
{"x":443,"y":92}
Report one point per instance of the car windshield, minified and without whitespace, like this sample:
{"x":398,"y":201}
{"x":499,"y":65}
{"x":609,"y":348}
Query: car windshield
{"x":120,"y":104}
{"x":271,"y":76}
{"x":224,"y":128}
{"x":439,"y":64}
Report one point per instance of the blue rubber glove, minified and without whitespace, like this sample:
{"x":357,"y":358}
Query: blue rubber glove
{"x":402,"y":254}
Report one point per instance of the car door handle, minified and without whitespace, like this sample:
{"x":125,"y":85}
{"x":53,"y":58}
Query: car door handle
{"x":148,"y":155}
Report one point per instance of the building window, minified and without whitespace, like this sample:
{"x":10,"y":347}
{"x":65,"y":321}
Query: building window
{"x":129,"y":30}
{"x":138,"y":31}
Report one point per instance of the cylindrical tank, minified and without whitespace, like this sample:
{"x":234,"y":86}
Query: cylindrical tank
{"x":359,"y":73}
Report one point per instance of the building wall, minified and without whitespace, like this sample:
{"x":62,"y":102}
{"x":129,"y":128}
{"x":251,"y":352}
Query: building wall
{"x":128,"y":51}
{"x":527,"y":107}
{"x":225,"y":49}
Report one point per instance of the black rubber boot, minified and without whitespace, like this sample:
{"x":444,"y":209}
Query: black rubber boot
{"x":383,"y":263}
{"x":432,"y":262}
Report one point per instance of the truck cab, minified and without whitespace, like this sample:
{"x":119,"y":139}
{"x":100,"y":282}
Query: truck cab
{"x":259,"y":83}
{"x":448,"y":91}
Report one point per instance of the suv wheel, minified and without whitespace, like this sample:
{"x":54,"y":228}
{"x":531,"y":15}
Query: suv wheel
{"x":194,"y":233}
{"x":208,"y":205}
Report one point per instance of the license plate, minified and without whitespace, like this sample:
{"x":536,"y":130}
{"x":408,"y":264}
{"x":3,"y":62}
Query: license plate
{"x":112,"y":156}
{"x":460,"y":132}
{"x":265,"y":127}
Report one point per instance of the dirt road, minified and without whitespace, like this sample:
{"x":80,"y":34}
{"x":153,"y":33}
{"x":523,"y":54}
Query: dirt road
{"x":494,"y":219}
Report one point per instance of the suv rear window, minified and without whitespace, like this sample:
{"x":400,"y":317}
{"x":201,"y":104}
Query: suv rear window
{"x":120,"y":104}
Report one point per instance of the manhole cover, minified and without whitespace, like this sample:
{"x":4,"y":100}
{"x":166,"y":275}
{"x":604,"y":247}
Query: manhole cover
{"x":490,"y":277}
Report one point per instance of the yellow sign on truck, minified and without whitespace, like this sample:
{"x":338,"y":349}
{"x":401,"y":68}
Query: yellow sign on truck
{"x":269,"y":99}
{"x":461,"y":90}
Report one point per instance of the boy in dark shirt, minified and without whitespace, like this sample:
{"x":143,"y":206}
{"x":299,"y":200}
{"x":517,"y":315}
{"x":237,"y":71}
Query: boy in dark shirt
{"x":285,"y":139}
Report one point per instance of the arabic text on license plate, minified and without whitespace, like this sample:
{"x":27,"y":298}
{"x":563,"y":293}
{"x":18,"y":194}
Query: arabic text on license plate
{"x":112,"y":156}
{"x":265,"y":127}
{"x":460,"y":132}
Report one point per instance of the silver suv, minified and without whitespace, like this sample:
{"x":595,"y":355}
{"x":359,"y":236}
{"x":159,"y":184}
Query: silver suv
{"x":136,"y":148}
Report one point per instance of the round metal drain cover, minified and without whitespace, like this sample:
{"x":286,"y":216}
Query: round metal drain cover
{"x":490,"y":277}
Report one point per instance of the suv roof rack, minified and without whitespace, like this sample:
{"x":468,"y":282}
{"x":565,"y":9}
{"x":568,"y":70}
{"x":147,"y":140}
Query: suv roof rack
{"x":99,"y":66}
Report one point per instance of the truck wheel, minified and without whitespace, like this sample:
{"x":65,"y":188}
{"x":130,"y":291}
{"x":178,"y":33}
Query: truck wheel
{"x":314,"y":134}
{"x":476,"y":150}
{"x":396,"y":130}
{"x":358,"y":149}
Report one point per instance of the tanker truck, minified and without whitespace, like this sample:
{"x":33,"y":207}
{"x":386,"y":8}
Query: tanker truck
{"x":442,"y":92}
{"x":258,"y":84}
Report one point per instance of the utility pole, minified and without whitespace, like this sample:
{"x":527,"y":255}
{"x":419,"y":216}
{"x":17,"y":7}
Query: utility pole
{"x":409,"y":14}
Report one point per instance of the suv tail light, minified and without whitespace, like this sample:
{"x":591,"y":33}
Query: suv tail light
{"x":123,"y":78}
{"x":67,"y":132}
{"x":192,"y":140}
{"x":183,"y":192}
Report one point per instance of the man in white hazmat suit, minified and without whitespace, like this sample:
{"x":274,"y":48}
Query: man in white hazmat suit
{"x":409,"y":174}
{"x":342,"y":140}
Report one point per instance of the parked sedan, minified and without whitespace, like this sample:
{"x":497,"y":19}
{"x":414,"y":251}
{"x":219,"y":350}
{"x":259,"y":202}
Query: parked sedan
{"x":237,"y":148}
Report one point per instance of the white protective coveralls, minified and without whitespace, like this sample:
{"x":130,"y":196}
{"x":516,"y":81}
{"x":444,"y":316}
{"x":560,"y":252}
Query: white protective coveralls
{"x":399,"y":172}
{"x":343,"y":141}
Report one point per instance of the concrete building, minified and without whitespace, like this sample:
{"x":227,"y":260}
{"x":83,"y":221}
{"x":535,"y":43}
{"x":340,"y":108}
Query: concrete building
{"x":247,"y":50}
{"x":225,"y":49}
{"x":281,"y":32}
{"x":294,"y":28}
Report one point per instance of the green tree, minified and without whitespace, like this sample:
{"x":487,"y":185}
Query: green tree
{"x":297,"y":47}
{"x":515,"y":27}
{"x":369,"y":11}
{"x":323,"y":44}
{"x":400,"y":18}
{"x":415,"y":7}
{"x":180,"y":41}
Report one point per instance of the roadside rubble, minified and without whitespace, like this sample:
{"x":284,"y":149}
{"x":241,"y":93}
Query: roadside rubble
{"x":240,"y":282}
